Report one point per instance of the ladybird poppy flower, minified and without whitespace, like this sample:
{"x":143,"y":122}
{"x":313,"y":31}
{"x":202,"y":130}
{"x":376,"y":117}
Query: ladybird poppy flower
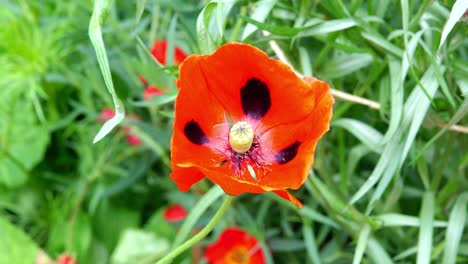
{"x":159,"y":51}
{"x":246,"y":122}
{"x":235,"y":246}
{"x":175,"y":213}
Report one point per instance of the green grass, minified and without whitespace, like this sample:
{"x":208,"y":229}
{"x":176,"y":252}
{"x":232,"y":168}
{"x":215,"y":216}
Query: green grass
{"x":389,"y":185}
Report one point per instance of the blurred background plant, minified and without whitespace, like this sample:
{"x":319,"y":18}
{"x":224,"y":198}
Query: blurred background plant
{"x":389,"y":185}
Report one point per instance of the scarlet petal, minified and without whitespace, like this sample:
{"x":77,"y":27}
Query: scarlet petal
{"x":291,"y":98}
{"x":292,"y":169}
{"x":287,"y":196}
{"x":175,"y":213}
{"x":200,"y":124}
{"x":185,"y":177}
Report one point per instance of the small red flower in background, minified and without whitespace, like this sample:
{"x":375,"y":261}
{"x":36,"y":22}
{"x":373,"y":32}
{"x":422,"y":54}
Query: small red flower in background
{"x":159,"y":51}
{"x":175,"y":213}
{"x":133,"y":140}
{"x":277,"y":120}
{"x":105,"y":115}
{"x":66,"y":259}
{"x":108,"y":113}
{"x":151,"y":91}
{"x":235,"y":246}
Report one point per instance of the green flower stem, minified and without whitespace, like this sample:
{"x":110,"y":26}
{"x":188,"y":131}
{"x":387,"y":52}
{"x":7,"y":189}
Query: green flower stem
{"x":202,"y":234}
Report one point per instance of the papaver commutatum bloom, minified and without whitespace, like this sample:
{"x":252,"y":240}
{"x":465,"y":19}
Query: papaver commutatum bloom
{"x":246,"y":122}
{"x":235,"y":246}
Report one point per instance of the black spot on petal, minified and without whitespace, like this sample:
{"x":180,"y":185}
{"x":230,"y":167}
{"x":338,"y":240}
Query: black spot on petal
{"x":287,"y":154}
{"x":194,"y":133}
{"x":255,"y":97}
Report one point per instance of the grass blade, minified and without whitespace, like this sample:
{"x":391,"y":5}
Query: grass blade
{"x":205,"y":38}
{"x":426,"y":229}
{"x":262,"y":9}
{"x":361,"y":244}
{"x":101,"y":8}
{"x":456,"y":224}
{"x":368,"y":135}
{"x":208,"y":199}
{"x":311,"y":245}
{"x":458,"y":9}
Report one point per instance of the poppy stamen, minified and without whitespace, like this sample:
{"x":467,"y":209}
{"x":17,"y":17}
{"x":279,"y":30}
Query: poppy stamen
{"x":241,"y":137}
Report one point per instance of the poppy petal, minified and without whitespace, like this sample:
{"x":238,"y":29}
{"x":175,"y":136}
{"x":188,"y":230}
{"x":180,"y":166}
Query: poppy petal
{"x":287,"y":196}
{"x":199,"y":131}
{"x":291,"y":148}
{"x":248,"y":83}
{"x":185,"y":177}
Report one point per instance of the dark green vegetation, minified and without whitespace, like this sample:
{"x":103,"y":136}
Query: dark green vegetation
{"x":388,"y":185}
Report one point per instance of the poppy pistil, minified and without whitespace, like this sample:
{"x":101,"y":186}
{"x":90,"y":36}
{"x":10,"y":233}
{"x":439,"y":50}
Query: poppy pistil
{"x":241,"y":137}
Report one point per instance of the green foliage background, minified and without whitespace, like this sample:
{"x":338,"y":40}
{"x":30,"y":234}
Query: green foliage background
{"x":389,"y":185}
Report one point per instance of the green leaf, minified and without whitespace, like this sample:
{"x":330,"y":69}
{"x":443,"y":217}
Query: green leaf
{"x":456,"y":225}
{"x":426,"y":229}
{"x":315,"y":216}
{"x":461,"y":112}
{"x":16,"y":246}
{"x":276,"y":30}
{"x":23,"y":141}
{"x":204,"y":36}
{"x":346,"y":64}
{"x":135,"y":246}
{"x":101,"y":8}
{"x":262,"y":9}
{"x":403,"y":220}
{"x":171,"y":41}
{"x":285,"y":245}
{"x":310,"y":241}
{"x":361,"y":244}
{"x":368,"y":135}
{"x":377,"y":253}
{"x":140,"y":8}
{"x":329,"y":27}
{"x":379,"y":41}
{"x":458,"y":9}
{"x":206,"y":201}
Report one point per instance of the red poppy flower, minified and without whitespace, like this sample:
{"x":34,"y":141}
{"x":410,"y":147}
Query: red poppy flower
{"x":235,"y":246}
{"x":175,"y":213}
{"x":246,"y":122}
{"x":151,"y":91}
{"x":159,"y":51}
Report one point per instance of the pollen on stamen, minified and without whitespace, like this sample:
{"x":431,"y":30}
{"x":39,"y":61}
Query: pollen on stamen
{"x":241,"y":137}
